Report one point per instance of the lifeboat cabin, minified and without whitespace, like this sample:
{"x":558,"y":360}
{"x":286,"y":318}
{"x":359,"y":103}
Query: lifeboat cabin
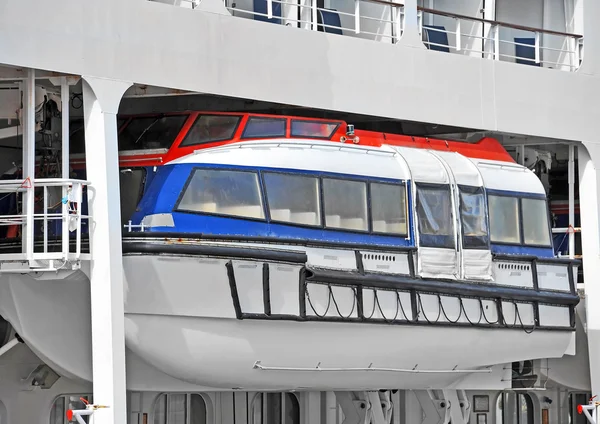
{"x":277,"y":253}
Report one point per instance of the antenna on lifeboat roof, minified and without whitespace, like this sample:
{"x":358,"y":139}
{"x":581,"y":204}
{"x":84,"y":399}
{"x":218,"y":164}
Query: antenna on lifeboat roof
{"x":350,"y":135}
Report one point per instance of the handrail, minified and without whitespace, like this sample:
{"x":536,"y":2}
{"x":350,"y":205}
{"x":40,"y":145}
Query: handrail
{"x":493,"y":22}
{"x":387,"y":25}
{"x":65,"y":207}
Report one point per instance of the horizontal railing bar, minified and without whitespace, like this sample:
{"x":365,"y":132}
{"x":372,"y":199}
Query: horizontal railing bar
{"x":492,"y":22}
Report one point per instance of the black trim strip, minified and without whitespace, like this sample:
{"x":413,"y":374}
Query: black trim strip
{"x":221,"y":251}
{"x":411,"y":263}
{"x":529,"y":258}
{"x":399,"y":322}
{"x":266,"y":289}
{"x":453,"y":288}
{"x":302,"y":293}
{"x":234,"y":293}
{"x":571,"y":279}
{"x":128,"y":237}
{"x":359,"y":262}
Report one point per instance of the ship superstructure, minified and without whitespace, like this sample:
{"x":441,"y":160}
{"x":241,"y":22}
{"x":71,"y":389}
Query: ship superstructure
{"x":298,"y":212}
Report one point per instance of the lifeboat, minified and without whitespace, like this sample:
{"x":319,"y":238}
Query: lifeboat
{"x":286,"y":253}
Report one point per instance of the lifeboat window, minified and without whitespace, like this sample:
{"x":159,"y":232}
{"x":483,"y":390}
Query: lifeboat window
{"x":265,"y":127}
{"x":388,"y":208}
{"x":211,"y":128}
{"x":473,"y":217}
{"x":180,"y":408}
{"x":504,"y":219}
{"x":345,"y":204}
{"x":313,"y":129}
{"x":154,"y":132}
{"x":536,"y":228}
{"x":434,"y":211}
{"x":293,"y":198}
{"x":223,"y":192}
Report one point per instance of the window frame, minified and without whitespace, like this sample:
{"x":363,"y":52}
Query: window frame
{"x":243,"y":136}
{"x":302,"y":173}
{"x":474,"y":190}
{"x":261,"y":192}
{"x":520,"y":196}
{"x":550,"y":244}
{"x":321,"y":225}
{"x":292,"y":120}
{"x":200,"y":115}
{"x":365,"y":181}
{"x":130,"y":119}
{"x":403,"y":184}
{"x":449,"y":241}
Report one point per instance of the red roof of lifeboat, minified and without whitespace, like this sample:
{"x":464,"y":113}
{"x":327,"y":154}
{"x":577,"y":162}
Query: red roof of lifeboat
{"x":317,"y":129}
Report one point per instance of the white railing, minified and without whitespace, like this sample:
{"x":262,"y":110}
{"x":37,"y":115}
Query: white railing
{"x":499,"y":40}
{"x":43,"y":201}
{"x":379,"y":20}
{"x":383,"y":20}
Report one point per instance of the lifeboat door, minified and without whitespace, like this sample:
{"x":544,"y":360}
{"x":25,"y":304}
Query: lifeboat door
{"x":433,"y":210}
{"x":474,"y":252}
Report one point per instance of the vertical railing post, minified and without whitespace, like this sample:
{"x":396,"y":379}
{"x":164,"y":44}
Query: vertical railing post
{"x":78,"y":198}
{"x":420,"y":22}
{"x":270,"y":9}
{"x":64,"y":101}
{"x":357,"y":16}
{"x":458,"y":36}
{"x":313,"y":10}
{"x":398,"y":23}
{"x":45,"y":219}
{"x":496,"y":42}
{"x":571,"y":182}
{"x":29,"y":163}
{"x":537,"y":47}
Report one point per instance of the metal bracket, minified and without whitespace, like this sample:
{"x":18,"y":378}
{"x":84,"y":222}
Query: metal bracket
{"x":585,"y":410}
{"x":77,"y":414}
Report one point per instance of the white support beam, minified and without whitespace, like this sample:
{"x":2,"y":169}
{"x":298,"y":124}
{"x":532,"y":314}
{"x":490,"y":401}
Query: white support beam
{"x":589,"y":201}
{"x":64,"y":99}
{"x":29,"y":161}
{"x":571,"y":181}
{"x":101,"y":98}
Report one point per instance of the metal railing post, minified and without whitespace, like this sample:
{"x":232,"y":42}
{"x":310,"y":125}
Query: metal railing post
{"x":537,"y":47}
{"x":458,"y":36}
{"x":270,"y":9}
{"x":313,"y":10}
{"x":64,"y":99}
{"x":357,"y":16}
{"x":496,"y":42}
{"x":45,"y":219}
{"x":398,"y":23}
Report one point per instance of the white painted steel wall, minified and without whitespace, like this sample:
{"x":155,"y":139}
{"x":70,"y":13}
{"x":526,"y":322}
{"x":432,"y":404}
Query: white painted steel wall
{"x":226,"y":55}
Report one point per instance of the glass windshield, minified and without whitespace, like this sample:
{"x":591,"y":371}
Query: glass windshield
{"x":536,"y":230}
{"x":473,"y":218}
{"x":293,"y":198}
{"x":211,"y":128}
{"x":312,"y":129}
{"x":388,"y":208}
{"x":264,"y":127}
{"x":434,"y":211}
{"x":504,"y":219}
{"x":147,"y":133}
{"x":223,"y":192}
